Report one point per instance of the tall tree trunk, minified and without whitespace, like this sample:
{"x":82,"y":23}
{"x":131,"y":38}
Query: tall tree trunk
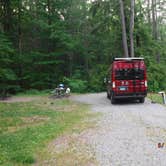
{"x":19,"y":28}
{"x":1,"y":16}
{"x":20,"y":42}
{"x":123,"y":23}
{"x":49,"y":23}
{"x":7,"y":16}
{"x":49,"y":11}
{"x":70,"y":64}
{"x":132,"y":28}
{"x":159,"y":22}
{"x":149,"y":14}
{"x":154,"y":21}
{"x":155,"y":26}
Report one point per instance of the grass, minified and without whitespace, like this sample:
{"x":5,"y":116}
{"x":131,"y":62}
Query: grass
{"x":26,"y":128}
{"x":155,"y":97}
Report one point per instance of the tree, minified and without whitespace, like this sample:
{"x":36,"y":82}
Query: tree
{"x":44,"y":41}
{"x":6,"y":7}
{"x":154,"y":18}
{"x":7,"y":75}
{"x":132,"y":28}
{"x":123,"y":24}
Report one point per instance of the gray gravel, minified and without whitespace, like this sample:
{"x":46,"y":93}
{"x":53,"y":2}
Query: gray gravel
{"x":128,"y":133}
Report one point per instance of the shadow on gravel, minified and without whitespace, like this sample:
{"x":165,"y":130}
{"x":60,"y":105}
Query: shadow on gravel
{"x":127,"y":102}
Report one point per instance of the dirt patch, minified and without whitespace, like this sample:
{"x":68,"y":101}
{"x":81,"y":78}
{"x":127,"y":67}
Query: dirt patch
{"x":62,"y":109}
{"x":18,"y":99}
{"x":55,"y":106}
{"x":69,"y":150}
{"x":27,"y":122}
{"x":34,"y":119}
{"x":60,"y":144}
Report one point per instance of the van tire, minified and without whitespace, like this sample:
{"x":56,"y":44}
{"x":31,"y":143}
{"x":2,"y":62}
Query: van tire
{"x":142,"y":100}
{"x":112,"y":100}
{"x":108,"y":96}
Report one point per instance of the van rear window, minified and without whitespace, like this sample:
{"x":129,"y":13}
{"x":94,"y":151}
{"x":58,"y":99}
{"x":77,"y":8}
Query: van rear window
{"x":129,"y":74}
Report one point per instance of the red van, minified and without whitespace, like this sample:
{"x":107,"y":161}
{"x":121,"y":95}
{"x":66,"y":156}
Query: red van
{"x":127,"y":79}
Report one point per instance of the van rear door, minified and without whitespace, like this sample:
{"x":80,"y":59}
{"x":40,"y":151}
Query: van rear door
{"x":138,"y":76}
{"x":129,"y":76}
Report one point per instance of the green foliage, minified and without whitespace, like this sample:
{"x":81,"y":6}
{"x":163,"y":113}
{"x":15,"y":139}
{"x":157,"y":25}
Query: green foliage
{"x":96,"y":81}
{"x":156,"y":97}
{"x":40,"y":46}
{"x":76,"y":83}
{"x":7,"y":75}
{"x":156,"y":77}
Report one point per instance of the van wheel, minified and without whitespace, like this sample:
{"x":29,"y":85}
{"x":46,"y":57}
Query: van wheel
{"x":142,"y":100}
{"x":112,"y":100}
{"x":108,"y":96}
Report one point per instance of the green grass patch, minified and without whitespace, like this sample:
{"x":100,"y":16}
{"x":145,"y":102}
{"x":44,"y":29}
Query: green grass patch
{"x":155,"y":97}
{"x":26,"y":128}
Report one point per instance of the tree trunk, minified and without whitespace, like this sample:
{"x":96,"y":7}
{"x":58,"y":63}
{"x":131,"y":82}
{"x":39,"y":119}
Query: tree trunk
{"x":154,"y":21}
{"x":159,"y":22}
{"x":70,"y":64}
{"x":7,"y":16}
{"x":20,"y":43}
{"x":49,"y":11}
{"x":132,"y":28}
{"x":49,"y":48}
{"x":19,"y":28}
{"x":123,"y":23}
{"x":154,"y":26}
{"x":149,"y":17}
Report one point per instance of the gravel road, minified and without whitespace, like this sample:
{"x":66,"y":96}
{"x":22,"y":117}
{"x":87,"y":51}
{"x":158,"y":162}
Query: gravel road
{"x":127,"y":134}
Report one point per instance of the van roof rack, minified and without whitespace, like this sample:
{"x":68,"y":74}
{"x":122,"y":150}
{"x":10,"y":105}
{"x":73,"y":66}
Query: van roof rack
{"x":129,"y":59}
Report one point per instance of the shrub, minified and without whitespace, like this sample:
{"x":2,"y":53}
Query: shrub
{"x":76,"y":85}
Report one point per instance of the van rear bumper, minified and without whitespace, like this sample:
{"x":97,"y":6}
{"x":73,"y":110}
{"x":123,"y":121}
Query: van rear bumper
{"x":129,"y":95}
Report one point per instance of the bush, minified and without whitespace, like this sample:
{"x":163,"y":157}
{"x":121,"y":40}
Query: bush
{"x":96,"y":81}
{"x":156,"y":77}
{"x":76,"y":85}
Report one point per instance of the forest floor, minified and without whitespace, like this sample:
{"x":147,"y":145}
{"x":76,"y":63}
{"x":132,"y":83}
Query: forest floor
{"x":19,"y":99}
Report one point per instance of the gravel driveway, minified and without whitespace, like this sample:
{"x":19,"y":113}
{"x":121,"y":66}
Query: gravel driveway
{"x":127,"y":134}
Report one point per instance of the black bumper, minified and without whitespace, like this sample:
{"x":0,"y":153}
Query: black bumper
{"x":129,"y":95}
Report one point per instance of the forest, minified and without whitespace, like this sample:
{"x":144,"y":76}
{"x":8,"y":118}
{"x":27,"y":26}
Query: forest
{"x":47,"y":42}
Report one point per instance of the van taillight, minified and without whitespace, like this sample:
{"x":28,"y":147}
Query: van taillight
{"x":113,"y":84}
{"x":146,"y":84}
